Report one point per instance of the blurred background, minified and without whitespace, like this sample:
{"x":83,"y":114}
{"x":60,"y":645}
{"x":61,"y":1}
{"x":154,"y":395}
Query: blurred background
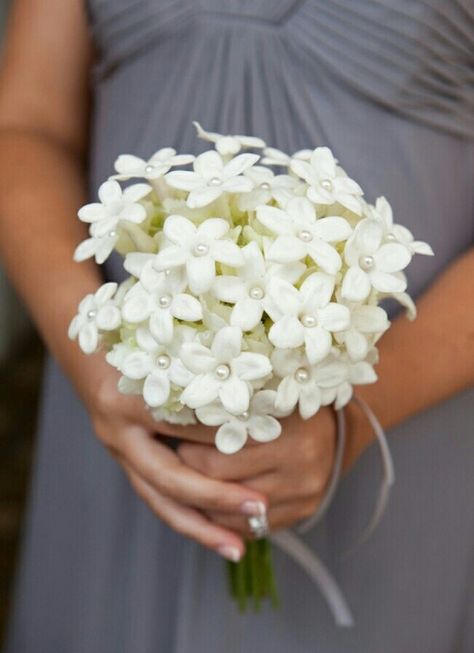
{"x":20,"y":370}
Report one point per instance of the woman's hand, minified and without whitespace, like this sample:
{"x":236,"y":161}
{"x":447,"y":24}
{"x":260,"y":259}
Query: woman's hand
{"x":176,"y":493}
{"x":292,"y":471}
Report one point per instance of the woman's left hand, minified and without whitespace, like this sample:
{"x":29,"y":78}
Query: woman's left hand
{"x":292,"y":471}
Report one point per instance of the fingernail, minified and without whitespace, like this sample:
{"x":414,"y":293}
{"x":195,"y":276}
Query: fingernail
{"x":253,"y":508}
{"x":229,"y":552}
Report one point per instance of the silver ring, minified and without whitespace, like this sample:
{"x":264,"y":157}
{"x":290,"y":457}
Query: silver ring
{"x":258,"y":524}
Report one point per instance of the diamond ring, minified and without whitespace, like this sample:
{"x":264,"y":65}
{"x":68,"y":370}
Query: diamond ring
{"x":259,"y":526}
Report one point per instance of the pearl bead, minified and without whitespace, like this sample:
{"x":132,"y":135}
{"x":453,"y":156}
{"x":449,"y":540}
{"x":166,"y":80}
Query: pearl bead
{"x":302,"y":375}
{"x":149,"y":169}
{"x":91,"y":314}
{"x":167,"y":273}
{"x":215,"y":181}
{"x":392,"y":238}
{"x":265,"y":185}
{"x":222,"y":372}
{"x":256,"y":292}
{"x":163,"y":362}
{"x":112,"y":234}
{"x":327,"y":185}
{"x":366,"y":262}
{"x":244,"y":416}
{"x":305,"y":236}
{"x":201,"y":249}
{"x":164,"y":301}
{"x":308,"y":321}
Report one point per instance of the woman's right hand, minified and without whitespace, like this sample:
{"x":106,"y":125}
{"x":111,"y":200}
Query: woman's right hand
{"x":175,"y":492}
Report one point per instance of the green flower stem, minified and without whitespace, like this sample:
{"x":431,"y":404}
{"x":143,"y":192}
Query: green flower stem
{"x":252,"y":579}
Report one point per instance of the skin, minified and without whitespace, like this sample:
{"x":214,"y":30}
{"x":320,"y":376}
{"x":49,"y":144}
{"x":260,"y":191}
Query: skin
{"x":199,"y":492}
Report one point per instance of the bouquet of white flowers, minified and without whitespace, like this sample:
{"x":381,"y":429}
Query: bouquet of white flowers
{"x":251,"y":294}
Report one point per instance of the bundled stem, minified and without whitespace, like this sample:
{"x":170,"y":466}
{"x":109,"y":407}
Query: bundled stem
{"x":252,"y":579}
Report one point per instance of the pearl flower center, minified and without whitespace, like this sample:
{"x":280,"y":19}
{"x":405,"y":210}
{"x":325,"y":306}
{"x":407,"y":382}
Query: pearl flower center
{"x":265,"y":185}
{"x":366,"y":263}
{"x":149,"y":168}
{"x":309,"y":321}
{"x":256,"y":292}
{"x":222,"y":372}
{"x":164,"y":301}
{"x":215,"y":181}
{"x":112,"y":234}
{"x":326,"y":184}
{"x":163,"y":361}
{"x":201,"y":249}
{"x":305,"y":235}
{"x":244,"y":416}
{"x":302,"y":375}
{"x":91,"y":314}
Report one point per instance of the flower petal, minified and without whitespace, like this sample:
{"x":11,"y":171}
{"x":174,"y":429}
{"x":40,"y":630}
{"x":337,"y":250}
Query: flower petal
{"x":197,"y":358}
{"x":201,"y":273}
{"x":209,"y":164}
{"x":368,"y":236}
{"x":179,"y":230}
{"x":356,"y":285}
{"x":362,"y":373}
{"x":170,"y":257}
{"x":228,"y":289}
{"x":310,"y":400}
{"x":318,"y":289}
{"x":318,"y":344}
{"x":108,"y":317}
{"x":137,"y":365}
{"x":110,"y":192}
{"x":246,"y":314}
{"x":226,"y":251}
{"x":213,"y":228}
{"x":227,"y":344}
{"x":202,"y":390}
{"x":235,"y":395}
{"x":203,"y":196}
{"x":88,"y":338}
{"x":332,"y":229}
{"x":136,"y":308}
{"x":249,"y":366}
{"x":212,"y":414}
{"x":356,"y":344}
{"x":392,"y":257}
{"x":136,"y":192}
{"x":287,"y":394}
{"x":264,"y":428}
{"x":161,"y":325}
{"x":238,"y":164}
{"x":334,"y":317}
{"x":231,"y":437}
{"x":275,"y":220}
{"x":370,"y":319}
{"x":325,"y":255}
{"x":92,"y":212}
{"x":287,"y":333}
{"x":156,"y":389}
{"x":287,"y":249}
{"x":389,"y":283}
{"x":186,"y":307}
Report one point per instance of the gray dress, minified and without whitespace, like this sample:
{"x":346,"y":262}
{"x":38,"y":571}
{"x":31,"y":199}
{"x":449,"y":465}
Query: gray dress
{"x":388,"y":84}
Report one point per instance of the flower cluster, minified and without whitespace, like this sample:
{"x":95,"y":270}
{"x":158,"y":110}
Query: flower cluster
{"x":252,"y":292}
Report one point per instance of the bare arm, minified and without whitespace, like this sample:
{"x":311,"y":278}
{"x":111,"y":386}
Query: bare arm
{"x":43,"y":141}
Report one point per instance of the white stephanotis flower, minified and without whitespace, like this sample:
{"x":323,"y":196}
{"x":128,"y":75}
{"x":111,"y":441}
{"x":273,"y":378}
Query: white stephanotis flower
{"x":248,"y":288}
{"x":228,"y":145}
{"x":367,"y":322}
{"x":397,"y":232}
{"x":301,"y":234}
{"x":212,"y":176}
{"x":373,"y":263}
{"x":306,"y":316}
{"x":157,"y":364}
{"x":97,"y":312}
{"x":115,"y":209}
{"x":129,"y":166}
{"x":223,"y":371}
{"x":159,"y":298}
{"x":303,"y":383}
{"x":267,"y":187}
{"x":258,"y":422}
{"x":354,"y":373}
{"x":328,"y":183}
{"x":198,"y":248}
{"x":274,"y":157}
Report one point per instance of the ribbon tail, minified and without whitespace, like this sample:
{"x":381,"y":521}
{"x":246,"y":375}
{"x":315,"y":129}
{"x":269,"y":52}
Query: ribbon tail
{"x":388,"y":472}
{"x":313,"y":566}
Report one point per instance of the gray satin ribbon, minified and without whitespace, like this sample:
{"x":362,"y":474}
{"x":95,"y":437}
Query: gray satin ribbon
{"x":294,"y":546}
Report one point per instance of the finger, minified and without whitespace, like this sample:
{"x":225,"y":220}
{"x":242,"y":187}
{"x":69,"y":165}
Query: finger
{"x":192,"y":432}
{"x":187,"y":521}
{"x":248,"y":462}
{"x":283,"y":516}
{"x":163,"y":470}
{"x":280,"y":487}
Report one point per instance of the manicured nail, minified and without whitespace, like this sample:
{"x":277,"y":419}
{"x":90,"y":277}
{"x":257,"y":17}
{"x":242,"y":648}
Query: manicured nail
{"x":253,"y":508}
{"x":229,"y":552}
